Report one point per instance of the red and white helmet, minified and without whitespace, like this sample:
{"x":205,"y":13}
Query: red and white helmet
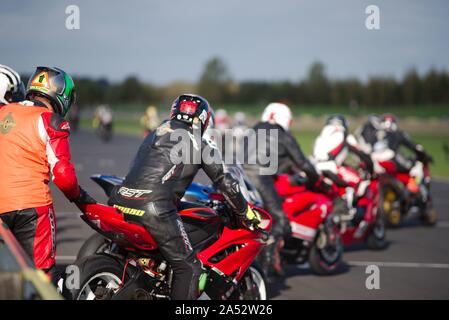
{"x":279,"y":114}
{"x":389,"y":122}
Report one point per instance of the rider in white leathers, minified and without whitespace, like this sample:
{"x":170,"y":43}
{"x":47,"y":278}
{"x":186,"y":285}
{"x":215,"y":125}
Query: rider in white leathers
{"x":330,"y":151}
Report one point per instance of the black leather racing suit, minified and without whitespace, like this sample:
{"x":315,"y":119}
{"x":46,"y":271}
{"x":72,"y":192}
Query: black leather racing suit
{"x":368,"y":133}
{"x":396,"y":139}
{"x":288,"y":153}
{"x":156,"y":183}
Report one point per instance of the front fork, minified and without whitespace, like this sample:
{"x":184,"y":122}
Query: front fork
{"x":327,"y":234}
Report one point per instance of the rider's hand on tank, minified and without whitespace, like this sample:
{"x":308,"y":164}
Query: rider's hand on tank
{"x":324,"y":187}
{"x":84,"y":198}
{"x":312,"y":185}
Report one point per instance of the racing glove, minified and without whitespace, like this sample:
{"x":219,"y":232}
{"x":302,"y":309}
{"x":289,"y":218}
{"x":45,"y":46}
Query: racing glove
{"x":322,"y":187}
{"x":250,"y":219}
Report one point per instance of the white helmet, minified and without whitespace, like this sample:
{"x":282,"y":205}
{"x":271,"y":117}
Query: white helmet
{"x":278,"y":113}
{"x":11,"y":87}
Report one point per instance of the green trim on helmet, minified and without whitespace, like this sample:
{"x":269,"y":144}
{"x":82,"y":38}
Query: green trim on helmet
{"x":68,"y":97}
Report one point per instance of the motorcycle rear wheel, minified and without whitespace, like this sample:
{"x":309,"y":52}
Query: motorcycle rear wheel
{"x":429,"y":216}
{"x":96,"y":243}
{"x":99,"y":277}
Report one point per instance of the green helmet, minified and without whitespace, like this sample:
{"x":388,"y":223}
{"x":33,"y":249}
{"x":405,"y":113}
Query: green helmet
{"x":55,"y":85}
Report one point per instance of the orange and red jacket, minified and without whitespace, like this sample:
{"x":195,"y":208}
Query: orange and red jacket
{"x":33,"y":143}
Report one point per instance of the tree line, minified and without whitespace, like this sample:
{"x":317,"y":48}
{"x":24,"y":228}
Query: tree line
{"x":217,"y":85}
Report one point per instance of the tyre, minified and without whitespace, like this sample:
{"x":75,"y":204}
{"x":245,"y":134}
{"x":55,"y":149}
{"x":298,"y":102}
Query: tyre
{"x":96,"y":243}
{"x":394,"y":218}
{"x":253,"y":285}
{"x":376,"y":240}
{"x":99,"y":277}
{"x":429,"y":215}
{"x":326,"y":254}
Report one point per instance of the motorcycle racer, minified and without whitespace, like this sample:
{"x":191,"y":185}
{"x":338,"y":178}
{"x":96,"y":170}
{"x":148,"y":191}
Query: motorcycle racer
{"x":367,"y":134}
{"x":278,"y":117}
{"x":393,"y":139}
{"x":331,"y":149}
{"x":387,"y":153}
{"x":150,"y":120}
{"x":34,"y":143}
{"x":156,"y":182}
{"x":334,"y":143}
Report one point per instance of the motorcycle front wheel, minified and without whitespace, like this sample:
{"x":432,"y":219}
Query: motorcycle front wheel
{"x":326,"y":254}
{"x":252,"y":286}
{"x":376,"y":240}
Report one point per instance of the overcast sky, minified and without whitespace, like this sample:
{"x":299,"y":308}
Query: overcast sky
{"x":165,"y":40}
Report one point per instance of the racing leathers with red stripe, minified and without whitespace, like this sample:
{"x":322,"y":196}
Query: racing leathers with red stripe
{"x":34,"y":143}
{"x":330,"y":152}
{"x":332,"y":146}
{"x":58,"y":154}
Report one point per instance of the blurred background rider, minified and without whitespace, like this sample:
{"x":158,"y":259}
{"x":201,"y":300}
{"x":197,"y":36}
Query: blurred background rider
{"x":276,"y":117}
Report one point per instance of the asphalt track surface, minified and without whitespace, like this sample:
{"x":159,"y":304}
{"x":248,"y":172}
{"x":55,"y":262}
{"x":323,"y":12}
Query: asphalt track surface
{"x":414,"y":266}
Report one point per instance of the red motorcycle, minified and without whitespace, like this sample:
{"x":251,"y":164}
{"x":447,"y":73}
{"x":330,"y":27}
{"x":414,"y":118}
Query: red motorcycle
{"x":401,"y":193}
{"x":315,"y":237}
{"x":134,"y":268}
{"x":357,"y":207}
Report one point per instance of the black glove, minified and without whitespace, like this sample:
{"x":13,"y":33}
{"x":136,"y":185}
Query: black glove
{"x":250,"y":219}
{"x":312,"y":184}
{"x":84,"y":198}
{"x":324,"y":187}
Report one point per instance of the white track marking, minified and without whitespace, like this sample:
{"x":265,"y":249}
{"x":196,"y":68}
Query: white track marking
{"x":399,"y":264}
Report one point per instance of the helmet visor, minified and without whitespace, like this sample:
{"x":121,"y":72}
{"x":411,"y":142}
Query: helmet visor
{"x":47,"y":80}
